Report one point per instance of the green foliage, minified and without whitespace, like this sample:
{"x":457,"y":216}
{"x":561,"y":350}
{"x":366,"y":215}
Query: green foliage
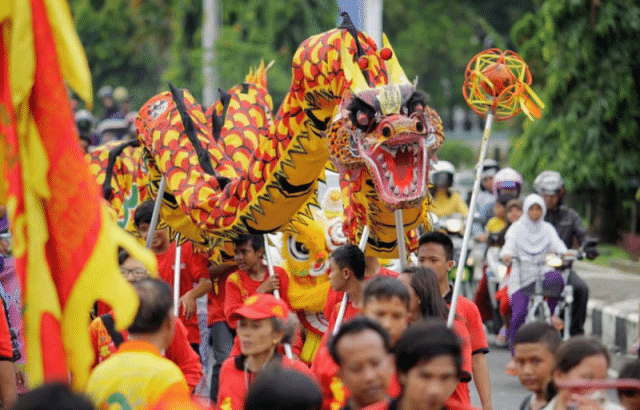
{"x":434,"y":41}
{"x":458,"y":153}
{"x":588,"y":54}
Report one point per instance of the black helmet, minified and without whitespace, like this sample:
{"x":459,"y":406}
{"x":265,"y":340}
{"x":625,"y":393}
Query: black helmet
{"x":85,"y":122}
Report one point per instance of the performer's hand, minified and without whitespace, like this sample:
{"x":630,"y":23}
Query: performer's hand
{"x":269,"y":285}
{"x":21,"y":377}
{"x":188,"y":304}
{"x":507,"y":259}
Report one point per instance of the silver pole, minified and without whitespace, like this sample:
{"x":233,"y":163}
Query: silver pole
{"x":402,"y":247}
{"x":176,"y":277}
{"x":343,"y":305}
{"x":467,"y":227}
{"x":372,"y":19}
{"x":210,"y":33}
{"x":276,"y":293}
{"x":156,"y":211}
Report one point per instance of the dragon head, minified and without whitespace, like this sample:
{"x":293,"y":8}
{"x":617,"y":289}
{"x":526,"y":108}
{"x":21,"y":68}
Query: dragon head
{"x":387,"y":129}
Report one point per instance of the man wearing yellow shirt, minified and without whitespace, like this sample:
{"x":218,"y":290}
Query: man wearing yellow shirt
{"x":445,"y":202}
{"x":137,"y":376}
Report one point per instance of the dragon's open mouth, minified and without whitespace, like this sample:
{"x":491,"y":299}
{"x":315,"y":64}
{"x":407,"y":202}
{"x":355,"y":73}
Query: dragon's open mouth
{"x":399,"y":168}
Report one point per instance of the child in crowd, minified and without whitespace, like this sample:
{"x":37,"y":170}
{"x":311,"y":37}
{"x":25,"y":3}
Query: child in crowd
{"x":529,"y":240}
{"x":579,"y":359}
{"x":428,"y":364}
{"x":514,"y":212}
{"x":534,"y":348}
{"x":630,"y":398}
{"x":252,"y":276}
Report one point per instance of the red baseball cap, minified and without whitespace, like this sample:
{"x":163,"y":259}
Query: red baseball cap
{"x":261,"y":306}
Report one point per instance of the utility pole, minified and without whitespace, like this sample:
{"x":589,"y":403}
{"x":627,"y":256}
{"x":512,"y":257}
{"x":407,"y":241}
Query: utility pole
{"x":372,"y":12}
{"x":210,"y":33}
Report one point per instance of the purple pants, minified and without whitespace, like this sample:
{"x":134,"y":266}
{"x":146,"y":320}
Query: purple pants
{"x":553,"y":282}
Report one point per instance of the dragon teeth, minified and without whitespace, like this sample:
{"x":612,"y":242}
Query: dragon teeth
{"x":387,"y":174}
{"x":396,"y":191}
{"x":406,"y":191}
{"x":392,"y":183}
{"x":381,"y":158}
{"x":384,"y":165}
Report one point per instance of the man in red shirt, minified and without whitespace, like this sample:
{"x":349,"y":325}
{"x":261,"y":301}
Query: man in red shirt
{"x":194,"y":274}
{"x":435,"y":251}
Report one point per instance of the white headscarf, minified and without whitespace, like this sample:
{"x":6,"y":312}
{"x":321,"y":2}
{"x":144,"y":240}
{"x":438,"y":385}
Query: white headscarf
{"x":526,"y":239}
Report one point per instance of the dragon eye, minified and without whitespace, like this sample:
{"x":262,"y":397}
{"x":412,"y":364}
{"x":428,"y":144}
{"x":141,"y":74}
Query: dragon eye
{"x":297,"y":250}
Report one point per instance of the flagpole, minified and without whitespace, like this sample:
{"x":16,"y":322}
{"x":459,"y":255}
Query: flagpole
{"x":156,"y":211}
{"x":402,"y":247}
{"x":276,"y":292}
{"x":176,"y":277}
{"x":467,"y":227}
{"x":345,"y":298}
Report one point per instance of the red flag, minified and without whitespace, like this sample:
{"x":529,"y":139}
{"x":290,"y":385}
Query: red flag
{"x":65,"y":246}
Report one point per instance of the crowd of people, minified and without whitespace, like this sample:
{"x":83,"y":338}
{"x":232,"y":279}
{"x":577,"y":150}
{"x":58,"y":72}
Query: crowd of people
{"x":387,"y":348}
{"x":116,"y":121}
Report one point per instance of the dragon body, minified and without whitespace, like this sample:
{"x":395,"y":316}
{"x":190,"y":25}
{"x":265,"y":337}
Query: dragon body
{"x":235,"y":168}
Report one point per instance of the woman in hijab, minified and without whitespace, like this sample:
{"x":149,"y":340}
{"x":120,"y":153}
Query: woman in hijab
{"x":529,"y":240}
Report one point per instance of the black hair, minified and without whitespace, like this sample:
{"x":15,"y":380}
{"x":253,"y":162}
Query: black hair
{"x":425,"y":283}
{"x":538,"y":332}
{"x":283,"y":389}
{"x":156,"y":302}
{"x":143,"y":213}
{"x":425,"y":340}
{"x":385,"y":287}
{"x":53,"y":396}
{"x":575,"y":350}
{"x":350,"y":256}
{"x":123,"y":255}
{"x":572,"y":352}
{"x":256,"y":241}
{"x":631,"y":370}
{"x":439,"y":238}
{"x":355,"y":326}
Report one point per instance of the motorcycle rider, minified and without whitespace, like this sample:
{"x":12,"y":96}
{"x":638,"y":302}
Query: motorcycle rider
{"x":567,"y":222}
{"x":445,"y":201}
{"x":486,"y":199}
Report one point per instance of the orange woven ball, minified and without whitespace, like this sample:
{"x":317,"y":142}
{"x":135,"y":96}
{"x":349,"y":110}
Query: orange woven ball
{"x":500,"y":76}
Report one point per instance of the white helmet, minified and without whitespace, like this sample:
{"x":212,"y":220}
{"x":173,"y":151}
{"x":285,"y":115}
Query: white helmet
{"x":549,"y":183}
{"x":442,"y":173}
{"x":507,"y":178}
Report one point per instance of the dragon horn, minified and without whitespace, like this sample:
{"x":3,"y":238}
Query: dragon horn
{"x":395,"y":72}
{"x":352,"y":71}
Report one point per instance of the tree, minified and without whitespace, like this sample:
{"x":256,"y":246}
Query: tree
{"x":434,"y":41}
{"x":254,"y":30}
{"x":587,"y":54}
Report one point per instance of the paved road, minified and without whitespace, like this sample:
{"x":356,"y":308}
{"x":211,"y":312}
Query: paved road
{"x":609,"y":285}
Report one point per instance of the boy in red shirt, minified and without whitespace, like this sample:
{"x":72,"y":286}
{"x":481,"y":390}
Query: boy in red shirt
{"x":435,"y":251}
{"x":193,"y":270}
{"x":252,"y":276}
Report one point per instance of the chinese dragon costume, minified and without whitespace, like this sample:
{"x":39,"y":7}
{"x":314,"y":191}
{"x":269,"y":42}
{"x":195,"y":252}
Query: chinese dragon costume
{"x":235,"y":168}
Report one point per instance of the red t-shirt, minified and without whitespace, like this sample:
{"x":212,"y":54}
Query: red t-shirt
{"x":235,"y":380}
{"x":193,"y":267}
{"x":6,"y":348}
{"x":469,"y":312}
{"x":240,"y":286}
{"x":216,"y":300}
